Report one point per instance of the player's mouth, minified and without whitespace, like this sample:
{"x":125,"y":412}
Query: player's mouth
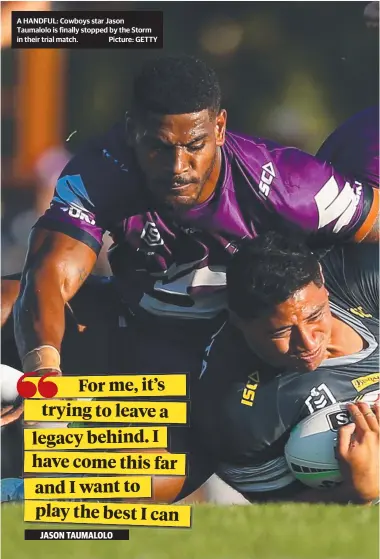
{"x":179,"y":187}
{"x":309,"y":357}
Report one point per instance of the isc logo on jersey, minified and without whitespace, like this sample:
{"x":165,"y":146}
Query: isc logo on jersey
{"x":266,"y":179}
{"x":250,"y":388}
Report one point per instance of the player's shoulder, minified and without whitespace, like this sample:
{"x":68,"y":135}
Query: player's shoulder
{"x":347,"y":257}
{"x":108,"y":149}
{"x":363,"y":122}
{"x":104,"y":173}
{"x":226,"y":356}
{"x":353,"y":147}
{"x":351,"y":274}
{"x":359,"y":133}
{"x":246,"y":144}
{"x":280,"y":171}
{"x":257,"y":148}
{"x":336,"y":380}
{"x":256,"y":153}
{"x":367,"y":116}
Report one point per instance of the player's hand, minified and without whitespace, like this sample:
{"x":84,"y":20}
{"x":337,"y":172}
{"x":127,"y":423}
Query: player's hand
{"x":358,"y":449}
{"x":10,"y":414}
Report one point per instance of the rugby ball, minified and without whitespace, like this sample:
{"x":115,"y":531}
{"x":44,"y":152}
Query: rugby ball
{"x":311,"y":449}
{"x":8,"y":384}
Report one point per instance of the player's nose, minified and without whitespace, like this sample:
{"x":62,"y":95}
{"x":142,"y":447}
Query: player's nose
{"x":180,"y":162}
{"x":304,"y":340}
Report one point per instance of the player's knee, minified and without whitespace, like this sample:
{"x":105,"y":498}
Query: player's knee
{"x":171,"y":489}
{"x":165,"y":489}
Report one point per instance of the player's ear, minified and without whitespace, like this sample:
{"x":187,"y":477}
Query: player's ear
{"x":220,"y":127}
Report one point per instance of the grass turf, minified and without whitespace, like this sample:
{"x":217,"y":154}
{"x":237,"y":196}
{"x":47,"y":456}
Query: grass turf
{"x":286,"y":531}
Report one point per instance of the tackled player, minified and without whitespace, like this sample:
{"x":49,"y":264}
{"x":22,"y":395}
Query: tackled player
{"x":302,"y":334}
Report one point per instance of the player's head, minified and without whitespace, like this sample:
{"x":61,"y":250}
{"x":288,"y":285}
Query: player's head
{"x":176,"y":128}
{"x":277,"y":298}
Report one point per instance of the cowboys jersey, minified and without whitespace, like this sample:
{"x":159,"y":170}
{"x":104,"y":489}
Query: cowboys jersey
{"x":243,"y":409}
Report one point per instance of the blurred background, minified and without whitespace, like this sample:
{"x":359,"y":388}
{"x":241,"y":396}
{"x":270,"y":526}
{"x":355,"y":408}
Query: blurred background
{"x":290,"y":71}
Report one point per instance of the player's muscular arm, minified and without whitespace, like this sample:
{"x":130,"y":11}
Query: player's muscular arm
{"x":56,"y":267}
{"x":332,"y":207}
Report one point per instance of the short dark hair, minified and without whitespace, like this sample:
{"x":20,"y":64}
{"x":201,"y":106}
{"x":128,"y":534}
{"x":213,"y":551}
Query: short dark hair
{"x":266,"y":271}
{"x":176,"y":85}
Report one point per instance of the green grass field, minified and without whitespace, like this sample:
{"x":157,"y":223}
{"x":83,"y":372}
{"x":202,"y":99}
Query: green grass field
{"x":285,"y":531}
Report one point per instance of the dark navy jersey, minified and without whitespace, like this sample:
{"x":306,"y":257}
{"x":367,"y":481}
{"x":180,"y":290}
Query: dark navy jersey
{"x":243,"y":409}
{"x":174,"y":265}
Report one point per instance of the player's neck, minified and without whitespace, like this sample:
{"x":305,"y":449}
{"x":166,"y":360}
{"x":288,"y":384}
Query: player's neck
{"x":213,"y":179}
{"x":344,"y":340}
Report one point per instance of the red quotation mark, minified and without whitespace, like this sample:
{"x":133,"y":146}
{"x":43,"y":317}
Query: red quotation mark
{"x":46,"y":388}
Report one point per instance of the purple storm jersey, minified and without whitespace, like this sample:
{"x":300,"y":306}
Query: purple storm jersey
{"x":353,"y":148}
{"x":174,"y":264}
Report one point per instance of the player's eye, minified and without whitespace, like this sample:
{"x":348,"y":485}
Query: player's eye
{"x":316,"y":316}
{"x":280,"y":334}
{"x":197,"y":146}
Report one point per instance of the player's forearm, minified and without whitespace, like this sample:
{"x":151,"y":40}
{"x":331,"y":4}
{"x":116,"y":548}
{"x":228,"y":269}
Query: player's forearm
{"x":39,"y":313}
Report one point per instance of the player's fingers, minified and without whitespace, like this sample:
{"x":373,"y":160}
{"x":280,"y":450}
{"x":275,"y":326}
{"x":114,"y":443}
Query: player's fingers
{"x":376,"y":410}
{"x":344,"y":439}
{"x":358,"y":418}
{"x":6,"y":410}
{"x":369,"y":416}
{"x":10,"y":415}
